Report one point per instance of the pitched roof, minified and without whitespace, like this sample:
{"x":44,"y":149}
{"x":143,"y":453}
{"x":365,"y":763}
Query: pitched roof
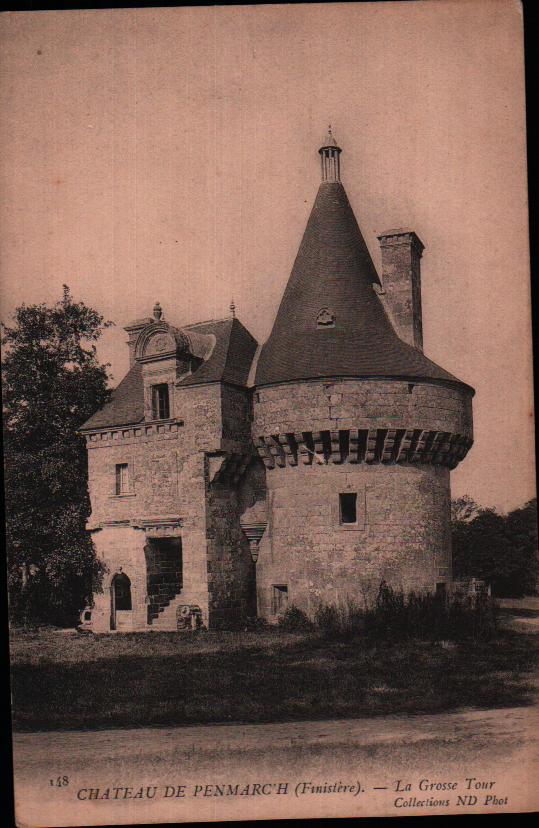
{"x":126,"y":404}
{"x":229,"y":362}
{"x":232,"y":356}
{"x":334,"y":270}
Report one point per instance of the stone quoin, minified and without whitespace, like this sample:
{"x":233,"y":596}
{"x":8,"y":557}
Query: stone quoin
{"x":228,"y":479}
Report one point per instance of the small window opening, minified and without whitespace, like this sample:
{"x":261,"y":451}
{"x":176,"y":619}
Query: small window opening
{"x":348,"y":507}
{"x":160,"y":402}
{"x":325,"y":318}
{"x":280,"y":598}
{"x":122,"y":478}
{"x":441,"y":589}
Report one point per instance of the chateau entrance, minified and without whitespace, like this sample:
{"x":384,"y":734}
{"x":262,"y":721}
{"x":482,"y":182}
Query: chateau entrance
{"x":121,"y":607}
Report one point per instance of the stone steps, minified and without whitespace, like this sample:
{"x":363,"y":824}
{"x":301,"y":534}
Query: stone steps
{"x":166,"y":620}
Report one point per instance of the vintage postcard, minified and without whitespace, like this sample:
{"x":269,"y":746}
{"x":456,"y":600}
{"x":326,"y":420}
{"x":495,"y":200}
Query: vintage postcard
{"x":268,"y":412}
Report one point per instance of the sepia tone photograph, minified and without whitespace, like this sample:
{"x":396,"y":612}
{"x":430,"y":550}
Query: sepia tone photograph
{"x":268,"y":426}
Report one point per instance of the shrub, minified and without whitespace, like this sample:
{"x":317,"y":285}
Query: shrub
{"x":253,"y":623}
{"x":430,"y":617}
{"x":340,"y":622}
{"x":294,"y":619}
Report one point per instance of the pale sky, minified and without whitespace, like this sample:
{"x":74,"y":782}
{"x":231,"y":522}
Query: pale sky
{"x":172,"y":155}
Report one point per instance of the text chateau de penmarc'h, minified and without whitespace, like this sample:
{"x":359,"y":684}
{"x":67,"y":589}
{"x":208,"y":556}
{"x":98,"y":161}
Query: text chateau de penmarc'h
{"x":228,"y":479}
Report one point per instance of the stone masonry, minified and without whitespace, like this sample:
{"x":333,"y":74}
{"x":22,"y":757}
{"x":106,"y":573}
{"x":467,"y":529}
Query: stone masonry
{"x":228,"y":480}
{"x":392,"y":444}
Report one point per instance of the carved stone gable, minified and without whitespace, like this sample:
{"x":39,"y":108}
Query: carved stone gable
{"x":159,"y":343}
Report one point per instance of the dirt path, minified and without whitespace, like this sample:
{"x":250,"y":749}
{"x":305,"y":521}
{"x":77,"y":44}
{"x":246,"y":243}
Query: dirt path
{"x":493,"y":746}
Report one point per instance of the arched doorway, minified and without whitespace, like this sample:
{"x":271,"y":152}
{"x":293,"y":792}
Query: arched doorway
{"x":120,"y":599}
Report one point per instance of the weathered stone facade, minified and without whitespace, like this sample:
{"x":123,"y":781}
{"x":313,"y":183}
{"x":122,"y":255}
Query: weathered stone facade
{"x":174,"y":468}
{"x":401,"y":534}
{"x":401,"y":278}
{"x":227,"y":481}
{"x":390,"y":443}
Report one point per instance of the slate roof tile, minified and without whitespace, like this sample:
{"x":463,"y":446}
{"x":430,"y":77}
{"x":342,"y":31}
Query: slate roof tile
{"x":229,"y":362}
{"x":334,"y":270}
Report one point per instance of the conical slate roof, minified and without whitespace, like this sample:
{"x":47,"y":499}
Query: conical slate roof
{"x":333,"y":276}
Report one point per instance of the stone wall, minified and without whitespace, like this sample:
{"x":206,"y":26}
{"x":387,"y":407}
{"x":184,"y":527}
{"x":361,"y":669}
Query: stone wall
{"x":363,"y":404}
{"x":121,"y":548}
{"x":236,"y":412}
{"x":390,"y":442}
{"x":231,"y":572}
{"x":402,"y":533}
{"x":195,"y":479}
{"x":170,"y":495}
{"x":198,"y":407}
{"x":167,"y":498}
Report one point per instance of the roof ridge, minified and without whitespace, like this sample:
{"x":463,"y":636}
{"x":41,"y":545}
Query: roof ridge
{"x":210,"y":321}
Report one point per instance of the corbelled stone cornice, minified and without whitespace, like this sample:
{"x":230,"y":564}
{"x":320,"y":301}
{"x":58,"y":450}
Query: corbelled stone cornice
{"x":364,"y":446}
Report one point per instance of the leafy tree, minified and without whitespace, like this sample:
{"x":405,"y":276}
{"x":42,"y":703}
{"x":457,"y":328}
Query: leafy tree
{"x":522,"y":530}
{"x":52,"y":382}
{"x":464,"y":509}
{"x":500,"y":549}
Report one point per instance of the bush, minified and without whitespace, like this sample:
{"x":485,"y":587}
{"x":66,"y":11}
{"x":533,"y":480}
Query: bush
{"x":294,"y":620}
{"x":430,"y":617}
{"x":340,"y":622}
{"x":252,"y":623}
{"x":424,"y":616}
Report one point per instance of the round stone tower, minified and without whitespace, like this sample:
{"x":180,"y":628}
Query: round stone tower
{"x":358,"y":430}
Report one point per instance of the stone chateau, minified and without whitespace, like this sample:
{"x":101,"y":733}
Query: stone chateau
{"x":229,"y":479}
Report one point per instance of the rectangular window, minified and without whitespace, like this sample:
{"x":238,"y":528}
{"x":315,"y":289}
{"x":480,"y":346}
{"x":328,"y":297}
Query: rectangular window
{"x":280,"y":598}
{"x":122,"y":478}
{"x":160,"y":402}
{"x":348,"y":507}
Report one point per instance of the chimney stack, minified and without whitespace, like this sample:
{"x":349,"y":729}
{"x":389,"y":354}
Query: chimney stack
{"x":401,"y":280}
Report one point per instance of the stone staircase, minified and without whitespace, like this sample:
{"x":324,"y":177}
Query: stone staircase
{"x":164,"y":574}
{"x":166,"y":619}
{"x":161,"y":597}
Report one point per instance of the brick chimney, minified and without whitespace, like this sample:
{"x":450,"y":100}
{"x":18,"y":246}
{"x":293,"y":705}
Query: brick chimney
{"x":401,"y":280}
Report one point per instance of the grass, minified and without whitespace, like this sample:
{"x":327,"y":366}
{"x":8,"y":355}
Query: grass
{"x":72,"y":681}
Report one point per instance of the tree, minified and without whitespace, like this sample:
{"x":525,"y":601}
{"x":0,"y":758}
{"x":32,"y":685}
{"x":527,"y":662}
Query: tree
{"x":52,"y":382}
{"x":522,"y":530}
{"x":500,"y":549}
{"x":464,"y":509}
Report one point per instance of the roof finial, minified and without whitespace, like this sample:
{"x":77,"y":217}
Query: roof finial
{"x":232,"y":309}
{"x":330,"y":157}
{"x":330,"y":138}
{"x":157,"y":311}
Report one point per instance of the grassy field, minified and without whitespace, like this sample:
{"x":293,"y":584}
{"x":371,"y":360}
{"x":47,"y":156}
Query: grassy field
{"x":63,"y":681}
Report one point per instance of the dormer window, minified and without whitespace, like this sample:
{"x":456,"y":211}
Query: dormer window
{"x":160,"y":402}
{"x":325,"y":318}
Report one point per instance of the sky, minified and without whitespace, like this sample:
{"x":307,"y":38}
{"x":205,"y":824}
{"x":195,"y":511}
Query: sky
{"x":172,"y":155}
